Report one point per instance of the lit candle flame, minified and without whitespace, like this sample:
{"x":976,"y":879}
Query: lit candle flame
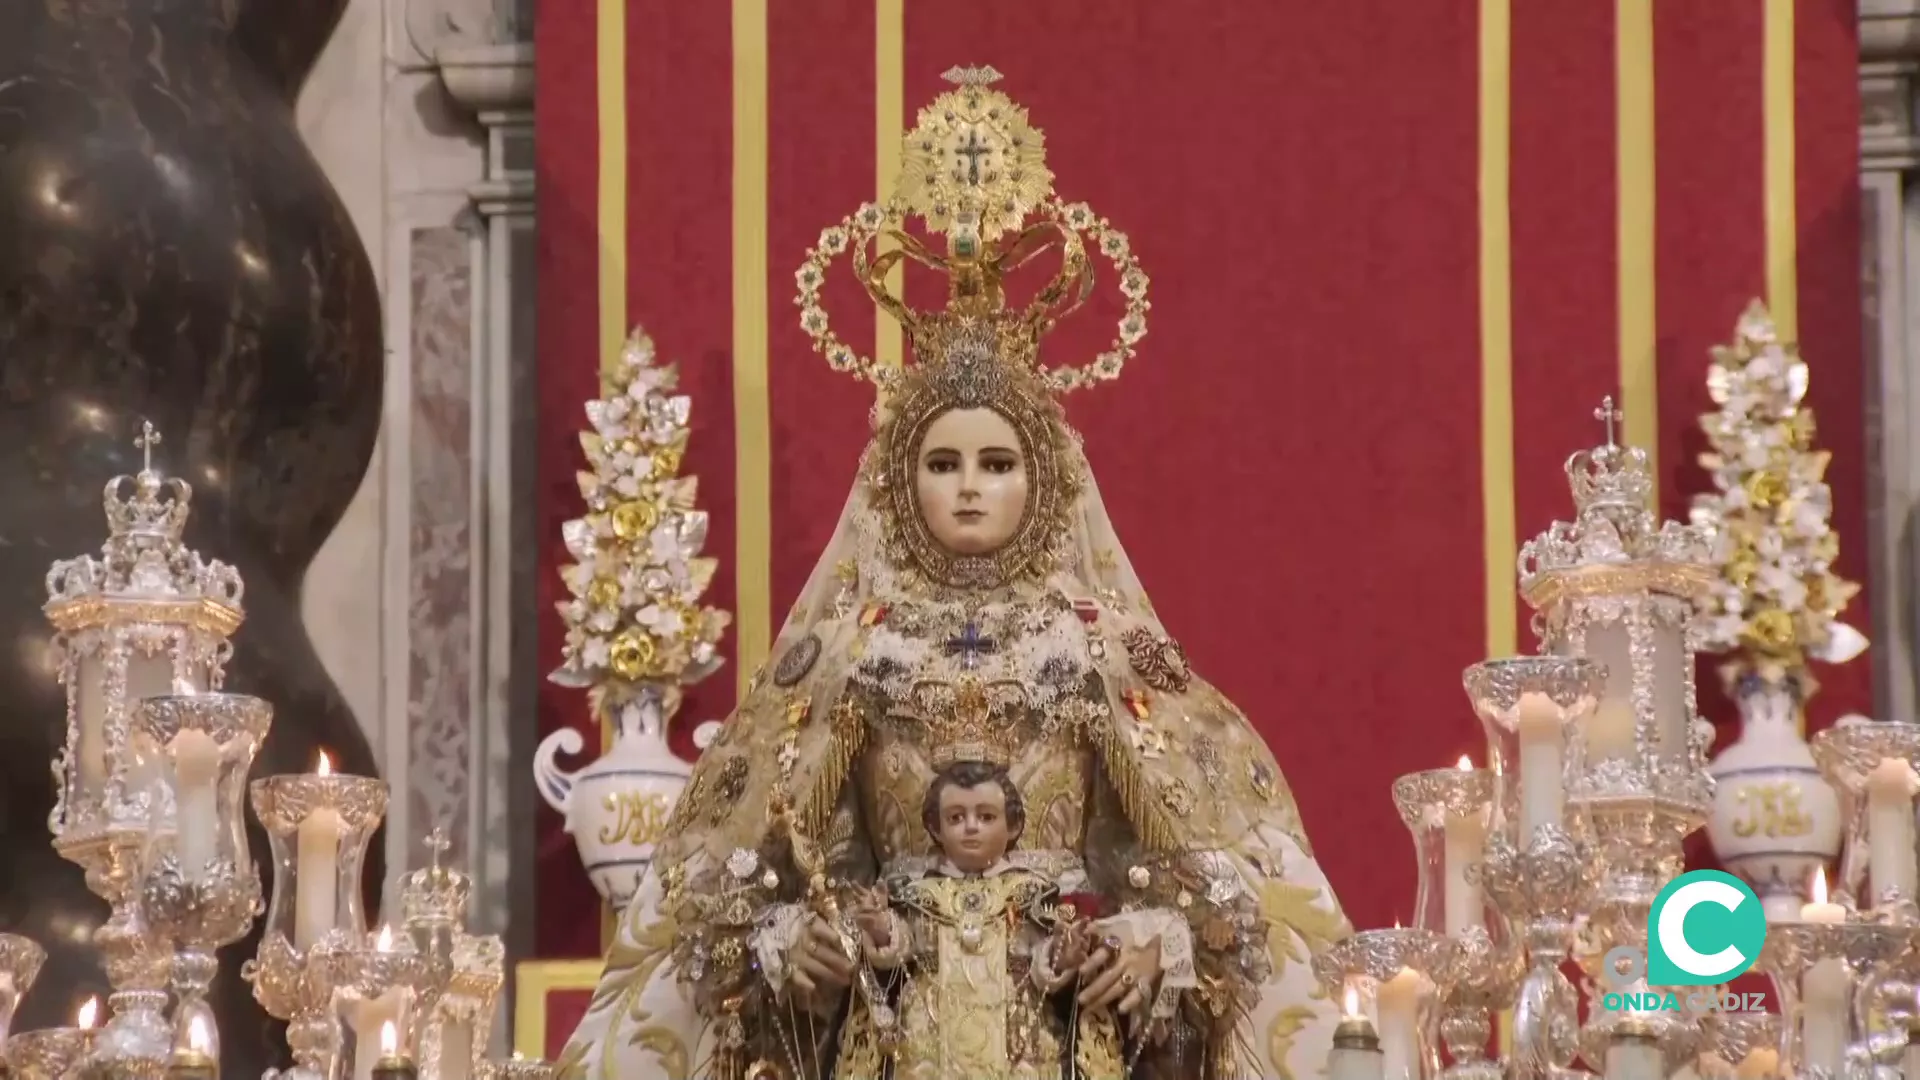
{"x":1352,"y":1004}
{"x":1466,"y":764}
{"x":199,"y":1039}
{"x":518,"y":1056}
{"x":1819,"y":890}
{"x":88,"y":1015}
{"x":389,"y":1039}
{"x":325,"y":767}
{"x":384,"y":942}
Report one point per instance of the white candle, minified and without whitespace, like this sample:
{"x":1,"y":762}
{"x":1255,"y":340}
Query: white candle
{"x":1466,"y":837}
{"x":1761,"y":1062}
{"x":1398,"y":1003}
{"x":90,"y":747}
{"x":196,"y":771}
{"x":371,"y":1019}
{"x":456,"y":1049}
{"x":1611,"y":728}
{"x":1635,"y":1059}
{"x":1542,"y":741}
{"x":1890,"y":841}
{"x":1823,"y":991}
{"x":317,"y":873}
{"x":1358,"y":1058}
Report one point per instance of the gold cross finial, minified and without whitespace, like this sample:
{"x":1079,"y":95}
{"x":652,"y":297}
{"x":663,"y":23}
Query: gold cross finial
{"x":149,"y":438}
{"x":972,"y":75}
{"x":1609,"y":415}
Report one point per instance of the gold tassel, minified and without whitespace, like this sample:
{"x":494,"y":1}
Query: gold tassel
{"x":849,"y":738}
{"x":1125,"y":774}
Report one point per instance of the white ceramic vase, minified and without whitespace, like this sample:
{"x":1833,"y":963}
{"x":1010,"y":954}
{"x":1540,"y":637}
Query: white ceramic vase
{"x":617,"y":807}
{"x":1775,"y":820}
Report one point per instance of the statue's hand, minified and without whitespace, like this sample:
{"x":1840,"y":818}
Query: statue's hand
{"x":820,"y":967}
{"x":1121,"y":977}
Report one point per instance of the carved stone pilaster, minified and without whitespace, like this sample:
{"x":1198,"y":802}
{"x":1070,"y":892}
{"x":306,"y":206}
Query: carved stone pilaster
{"x":1890,"y":272}
{"x":494,"y":82}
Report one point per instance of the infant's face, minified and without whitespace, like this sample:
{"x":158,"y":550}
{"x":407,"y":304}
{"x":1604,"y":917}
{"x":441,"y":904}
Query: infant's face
{"x":973,"y":826}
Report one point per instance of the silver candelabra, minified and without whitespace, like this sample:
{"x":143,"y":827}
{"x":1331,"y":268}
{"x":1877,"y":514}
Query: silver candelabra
{"x":152,"y":792}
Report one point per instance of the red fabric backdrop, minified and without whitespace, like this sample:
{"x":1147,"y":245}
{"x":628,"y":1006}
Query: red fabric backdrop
{"x":1294,"y":459}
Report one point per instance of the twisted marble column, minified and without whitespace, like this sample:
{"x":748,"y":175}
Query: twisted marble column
{"x":170,"y":251}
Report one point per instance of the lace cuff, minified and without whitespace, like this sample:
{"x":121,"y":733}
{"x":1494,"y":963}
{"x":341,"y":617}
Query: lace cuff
{"x":1136,"y":929}
{"x":774,"y":939}
{"x":899,"y":943}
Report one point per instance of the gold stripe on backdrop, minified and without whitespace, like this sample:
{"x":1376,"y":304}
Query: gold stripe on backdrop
{"x":1783,"y":270}
{"x":610,"y":68}
{"x":610,"y":102}
{"x":1633,"y":73}
{"x":889,"y":126}
{"x":752,"y":422}
{"x":1496,"y":341}
{"x":1496,"y":328}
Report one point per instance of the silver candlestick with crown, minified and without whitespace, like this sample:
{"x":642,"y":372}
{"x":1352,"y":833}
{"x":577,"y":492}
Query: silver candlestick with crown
{"x":144,"y":617}
{"x":1618,"y":587}
{"x":152,"y":779}
{"x":1598,"y":766}
{"x":465,"y":971}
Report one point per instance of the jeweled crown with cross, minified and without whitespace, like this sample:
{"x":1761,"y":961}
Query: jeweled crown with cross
{"x":974,"y":170}
{"x":157,"y":508}
{"x":961,"y":726}
{"x":1610,"y":475}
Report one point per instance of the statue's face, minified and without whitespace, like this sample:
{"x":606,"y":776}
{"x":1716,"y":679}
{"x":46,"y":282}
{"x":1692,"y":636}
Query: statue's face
{"x":973,"y":826}
{"x":972,"y":481}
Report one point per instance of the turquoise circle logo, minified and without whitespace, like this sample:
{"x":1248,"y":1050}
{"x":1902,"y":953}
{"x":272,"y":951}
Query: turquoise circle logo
{"x":1705,"y":928}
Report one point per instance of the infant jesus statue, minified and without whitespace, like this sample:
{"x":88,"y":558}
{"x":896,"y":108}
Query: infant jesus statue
{"x":984,"y":947}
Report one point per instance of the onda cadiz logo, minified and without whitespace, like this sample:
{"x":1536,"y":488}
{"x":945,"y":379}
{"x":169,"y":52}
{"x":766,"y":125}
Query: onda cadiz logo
{"x":1704,"y":929}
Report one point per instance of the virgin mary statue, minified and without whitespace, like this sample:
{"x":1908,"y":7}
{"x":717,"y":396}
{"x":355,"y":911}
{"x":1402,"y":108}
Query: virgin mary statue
{"x":974,"y":589}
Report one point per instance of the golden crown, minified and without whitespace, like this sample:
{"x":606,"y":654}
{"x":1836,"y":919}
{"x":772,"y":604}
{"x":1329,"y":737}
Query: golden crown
{"x":974,"y":169}
{"x":961,"y":721}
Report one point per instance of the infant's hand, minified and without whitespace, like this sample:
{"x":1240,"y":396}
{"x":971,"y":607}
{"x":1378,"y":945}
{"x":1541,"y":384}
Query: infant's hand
{"x":876,"y":927}
{"x":1069,"y":948}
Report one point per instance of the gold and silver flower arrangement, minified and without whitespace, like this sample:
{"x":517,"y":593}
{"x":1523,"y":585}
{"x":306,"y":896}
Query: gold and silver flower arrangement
{"x":1778,"y":599}
{"x":634,"y":618}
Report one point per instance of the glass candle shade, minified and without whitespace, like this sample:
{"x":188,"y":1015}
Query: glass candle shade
{"x":204,"y":745}
{"x":119,"y":653}
{"x":20,"y":960}
{"x":1448,"y":812}
{"x":1644,"y":714}
{"x":1528,"y":704}
{"x":47,"y":1054}
{"x":453,"y":1031}
{"x":1855,"y":759}
{"x":385,"y":975}
{"x":1393,"y":978}
{"x":201,"y":889}
{"x":318,"y":825}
